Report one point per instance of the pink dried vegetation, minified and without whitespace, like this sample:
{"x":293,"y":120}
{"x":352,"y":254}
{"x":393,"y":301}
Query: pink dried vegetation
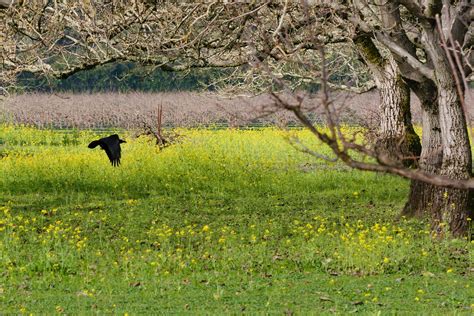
{"x":180,"y":109}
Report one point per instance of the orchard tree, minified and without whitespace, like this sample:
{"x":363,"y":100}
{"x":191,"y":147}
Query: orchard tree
{"x":431,"y":42}
{"x":396,"y":136}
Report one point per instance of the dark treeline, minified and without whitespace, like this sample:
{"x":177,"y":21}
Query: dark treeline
{"x":122,"y":77}
{"x":126,"y":77}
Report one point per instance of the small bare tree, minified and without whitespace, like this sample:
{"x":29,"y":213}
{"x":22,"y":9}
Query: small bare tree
{"x":155,"y":129}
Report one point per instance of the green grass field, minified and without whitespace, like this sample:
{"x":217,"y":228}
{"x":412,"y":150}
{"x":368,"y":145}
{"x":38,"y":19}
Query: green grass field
{"x":226,"y":221}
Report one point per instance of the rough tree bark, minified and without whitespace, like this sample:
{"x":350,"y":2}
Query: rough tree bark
{"x":395,"y":137}
{"x":453,"y":206}
{"x":421,"y":199}
{"x":446,"y":147}
{"x":447,"y":208}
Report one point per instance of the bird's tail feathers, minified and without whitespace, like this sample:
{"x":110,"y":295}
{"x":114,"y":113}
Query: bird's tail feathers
{"x":116,"y":162}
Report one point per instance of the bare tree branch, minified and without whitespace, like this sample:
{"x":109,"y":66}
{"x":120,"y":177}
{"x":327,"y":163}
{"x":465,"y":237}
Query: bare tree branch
{"x":405,"y":55}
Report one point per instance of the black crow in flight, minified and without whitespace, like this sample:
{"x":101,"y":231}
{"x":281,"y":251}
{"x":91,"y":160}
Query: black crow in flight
{"x":111,"y":145}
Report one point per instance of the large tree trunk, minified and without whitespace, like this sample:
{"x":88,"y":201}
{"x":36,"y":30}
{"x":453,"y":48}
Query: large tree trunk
{"x":454,"y":206}
{"x":421,"y":199}
{"x":451,"y":207}
{"x":395,"y":139}
{"x":444,"y":122}
{"x":445,"y":151}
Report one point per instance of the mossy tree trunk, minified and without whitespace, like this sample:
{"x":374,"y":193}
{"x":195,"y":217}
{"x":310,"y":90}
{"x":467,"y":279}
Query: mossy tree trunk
{"x":396,"y":139}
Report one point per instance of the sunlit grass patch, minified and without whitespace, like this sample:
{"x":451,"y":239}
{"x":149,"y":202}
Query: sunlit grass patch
{"x":330,"y":245}
{"x":222,"y":221}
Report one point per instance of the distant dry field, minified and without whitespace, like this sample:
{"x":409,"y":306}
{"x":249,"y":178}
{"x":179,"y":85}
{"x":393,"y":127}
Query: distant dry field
{"x":185,"y":109}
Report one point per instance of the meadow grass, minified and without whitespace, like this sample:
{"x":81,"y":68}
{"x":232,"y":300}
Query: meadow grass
{"x":226,"y":221}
